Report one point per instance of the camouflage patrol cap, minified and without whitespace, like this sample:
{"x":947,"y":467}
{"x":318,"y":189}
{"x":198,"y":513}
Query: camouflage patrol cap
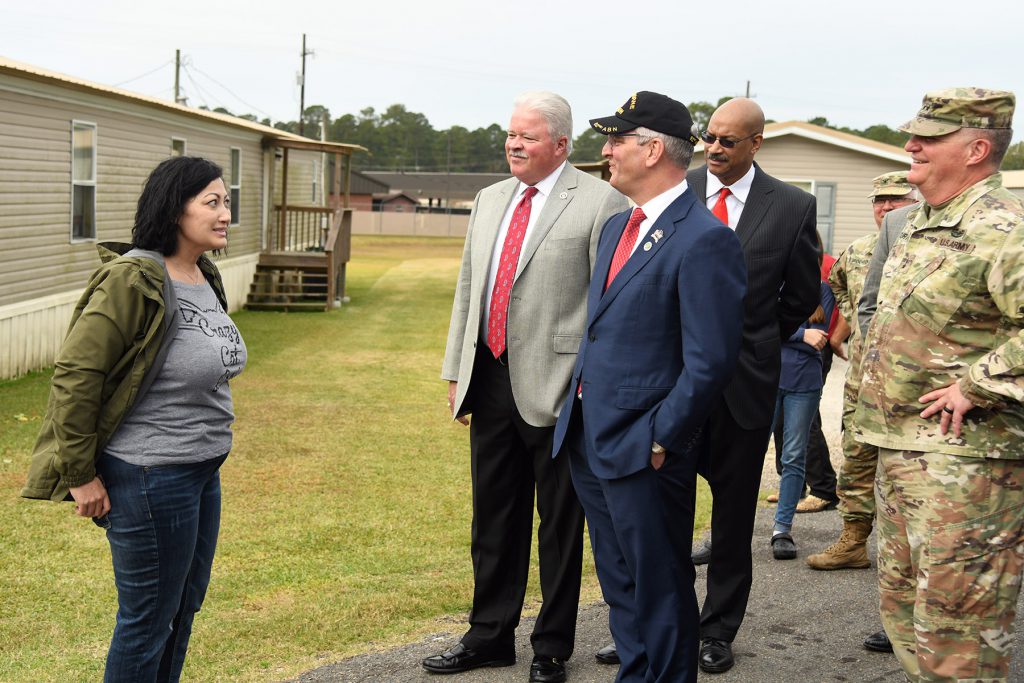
{"x":949,"y":110}
{"x":890,"y":185}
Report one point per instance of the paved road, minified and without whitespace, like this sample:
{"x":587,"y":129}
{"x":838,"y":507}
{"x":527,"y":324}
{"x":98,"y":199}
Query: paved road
{"x":801,"y":625}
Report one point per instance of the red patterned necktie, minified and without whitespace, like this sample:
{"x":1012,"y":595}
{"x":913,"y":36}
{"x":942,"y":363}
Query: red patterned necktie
{"x":720,"y":210}
{"x":507,"y":272}
{"x":625,"y":246}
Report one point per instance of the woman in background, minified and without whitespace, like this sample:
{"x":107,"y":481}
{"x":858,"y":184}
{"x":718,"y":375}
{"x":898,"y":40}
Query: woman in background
{"x":139,"y":416}
{"x":800,"y":384}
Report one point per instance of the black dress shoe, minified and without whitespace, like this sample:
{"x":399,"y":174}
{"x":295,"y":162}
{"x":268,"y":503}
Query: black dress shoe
{"x":783,"y":547}
{"x":547,"y":670}
{"x":702,"y":555}
{"x":878,"y":642}
{"x":607,"y":655}
{"x":461,"y":658}
{"x":715,"y":656}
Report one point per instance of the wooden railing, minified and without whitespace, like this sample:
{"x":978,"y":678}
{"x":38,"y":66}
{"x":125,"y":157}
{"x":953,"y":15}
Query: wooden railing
{"x":338,"y":249}
{"x":304,"y":228}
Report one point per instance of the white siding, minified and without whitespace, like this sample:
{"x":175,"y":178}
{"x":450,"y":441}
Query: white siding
{"x":37,"y":257}
{"x":31,"y":332}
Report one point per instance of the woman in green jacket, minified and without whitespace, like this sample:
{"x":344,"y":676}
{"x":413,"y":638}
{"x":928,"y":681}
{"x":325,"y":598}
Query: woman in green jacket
{"x":139,"y":416}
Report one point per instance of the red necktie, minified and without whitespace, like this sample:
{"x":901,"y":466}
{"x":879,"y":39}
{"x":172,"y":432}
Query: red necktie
{"x":507,"y":273}
{"x":626,"y":242}
{"x":720,"y":210}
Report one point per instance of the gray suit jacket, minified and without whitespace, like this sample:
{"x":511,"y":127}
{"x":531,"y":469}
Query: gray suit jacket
{"x":888,"y":233}
{"x":548,"y":303}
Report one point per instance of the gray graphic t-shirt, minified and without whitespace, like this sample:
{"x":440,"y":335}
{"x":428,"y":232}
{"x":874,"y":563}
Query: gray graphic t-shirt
{"x":186,"y":416}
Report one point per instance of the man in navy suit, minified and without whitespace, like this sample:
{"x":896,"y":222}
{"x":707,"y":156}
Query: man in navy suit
{"x":664,"y":324}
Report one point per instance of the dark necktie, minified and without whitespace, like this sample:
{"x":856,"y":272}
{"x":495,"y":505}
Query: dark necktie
{"x":625,"y":246}
{"x":506,"y":274}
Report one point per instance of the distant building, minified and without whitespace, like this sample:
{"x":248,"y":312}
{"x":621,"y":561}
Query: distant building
{"x":398,"y":202}
{"x":438,"y":190}
{"x":1014,"y":182}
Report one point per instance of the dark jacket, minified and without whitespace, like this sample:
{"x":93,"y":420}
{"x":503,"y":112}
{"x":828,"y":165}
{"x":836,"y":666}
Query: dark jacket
{"x":115,"y":332}
{"x":801,"y":362}
{"x":777,"y":233}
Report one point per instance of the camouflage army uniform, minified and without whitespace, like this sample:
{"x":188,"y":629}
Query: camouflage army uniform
{"x":950,"y":509}
{"x":856,"y":487}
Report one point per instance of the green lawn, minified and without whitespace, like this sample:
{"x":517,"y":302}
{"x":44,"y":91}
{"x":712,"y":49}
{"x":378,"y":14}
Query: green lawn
{"x":346,"y":496}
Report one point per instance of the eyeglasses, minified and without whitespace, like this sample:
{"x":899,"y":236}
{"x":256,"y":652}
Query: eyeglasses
{"x":890,"y":199}
{"x":728,"y":143}
{"x":615,"y":139}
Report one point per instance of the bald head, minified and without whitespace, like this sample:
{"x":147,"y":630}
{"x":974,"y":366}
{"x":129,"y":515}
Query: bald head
{"x":742,"y":111}
{"x":740,"y":122}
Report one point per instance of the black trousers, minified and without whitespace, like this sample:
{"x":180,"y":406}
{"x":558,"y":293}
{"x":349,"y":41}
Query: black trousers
{"x":510,"y":459}
{"x":819,"y":474}
{"x":732,"y":464}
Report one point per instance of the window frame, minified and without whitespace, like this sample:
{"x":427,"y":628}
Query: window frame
{"x":80,"y":124}
{"x":235,"y":185}
{"x":828,"y":234}
{"x":184,"y":146}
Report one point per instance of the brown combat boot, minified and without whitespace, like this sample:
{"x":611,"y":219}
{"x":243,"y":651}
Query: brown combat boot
{"x":849,"y":552}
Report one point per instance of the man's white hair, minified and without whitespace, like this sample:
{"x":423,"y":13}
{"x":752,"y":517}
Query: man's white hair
{"x":555,"y":110}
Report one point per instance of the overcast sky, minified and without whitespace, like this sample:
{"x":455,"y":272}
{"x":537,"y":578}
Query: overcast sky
{"x":461,"y":62}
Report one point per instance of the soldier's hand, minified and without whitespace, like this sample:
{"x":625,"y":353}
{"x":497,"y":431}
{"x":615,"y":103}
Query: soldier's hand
{"x":837,"y":347}
{"x":951,"y":404}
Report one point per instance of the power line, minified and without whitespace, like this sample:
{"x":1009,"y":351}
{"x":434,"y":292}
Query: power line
{"x":228,"y":90}
{"x":118,"y":85}
{"x":199,"y":91}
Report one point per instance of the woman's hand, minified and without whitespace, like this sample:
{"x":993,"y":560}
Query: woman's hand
{"x":92,"y":499}
{"x":815,"y":338}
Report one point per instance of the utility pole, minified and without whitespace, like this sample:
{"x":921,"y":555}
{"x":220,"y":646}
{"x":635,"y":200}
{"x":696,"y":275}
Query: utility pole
{"x":302,"y":86}
{"x":178,"y":99}
{"x":748,"y":89}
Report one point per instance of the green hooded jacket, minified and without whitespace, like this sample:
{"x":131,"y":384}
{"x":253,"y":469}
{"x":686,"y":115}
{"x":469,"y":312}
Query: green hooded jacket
{"x":115,"y":333}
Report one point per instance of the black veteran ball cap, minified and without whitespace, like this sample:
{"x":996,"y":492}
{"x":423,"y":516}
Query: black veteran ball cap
{"x":649,"y":110}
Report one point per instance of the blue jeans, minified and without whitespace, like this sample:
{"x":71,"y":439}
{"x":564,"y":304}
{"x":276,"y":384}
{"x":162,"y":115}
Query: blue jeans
{"x":798,"y":410}
{"x":162,"y":528}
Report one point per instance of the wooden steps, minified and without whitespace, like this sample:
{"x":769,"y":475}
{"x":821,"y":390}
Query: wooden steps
{"x":290,"y":281}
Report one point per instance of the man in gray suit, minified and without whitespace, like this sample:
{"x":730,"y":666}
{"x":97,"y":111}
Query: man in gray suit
{"x":892,"y":225}
{"x":520,"y":306}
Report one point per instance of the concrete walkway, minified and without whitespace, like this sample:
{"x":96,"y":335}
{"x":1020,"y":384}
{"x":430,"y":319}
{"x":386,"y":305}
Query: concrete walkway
{"x":801,"y":625}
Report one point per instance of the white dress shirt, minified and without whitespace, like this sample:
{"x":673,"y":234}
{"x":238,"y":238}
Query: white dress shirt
{"x":654,"y":208}
{"x":735,"y":202}
{"x":544,"y":188}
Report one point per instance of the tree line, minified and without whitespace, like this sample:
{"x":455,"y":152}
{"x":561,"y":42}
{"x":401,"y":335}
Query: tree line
{"x":403,"y":140}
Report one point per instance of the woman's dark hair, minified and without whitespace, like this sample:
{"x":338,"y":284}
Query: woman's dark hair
{"x":171,"y":185}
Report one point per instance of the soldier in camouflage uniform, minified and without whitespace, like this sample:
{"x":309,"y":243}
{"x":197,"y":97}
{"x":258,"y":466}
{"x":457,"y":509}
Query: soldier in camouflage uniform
{"x":941,"y":396}
{"x":857,"y":477}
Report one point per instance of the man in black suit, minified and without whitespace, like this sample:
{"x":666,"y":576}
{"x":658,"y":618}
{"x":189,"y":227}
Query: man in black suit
{"x":775,"y":223}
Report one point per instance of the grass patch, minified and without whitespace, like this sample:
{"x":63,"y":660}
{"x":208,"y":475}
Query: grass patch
{"x":346,"y":497}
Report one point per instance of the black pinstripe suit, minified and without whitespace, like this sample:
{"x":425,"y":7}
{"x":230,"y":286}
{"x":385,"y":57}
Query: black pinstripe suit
{"x":777,"y":232}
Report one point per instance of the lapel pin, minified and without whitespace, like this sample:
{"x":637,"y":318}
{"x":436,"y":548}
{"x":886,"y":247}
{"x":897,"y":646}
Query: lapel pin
{"x":657,"y":235}
{"x":647,"y":246}
{"x":563,"y":195}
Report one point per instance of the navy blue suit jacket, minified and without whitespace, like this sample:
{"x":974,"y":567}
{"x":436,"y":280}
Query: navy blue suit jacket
{"x":662,"y":343}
